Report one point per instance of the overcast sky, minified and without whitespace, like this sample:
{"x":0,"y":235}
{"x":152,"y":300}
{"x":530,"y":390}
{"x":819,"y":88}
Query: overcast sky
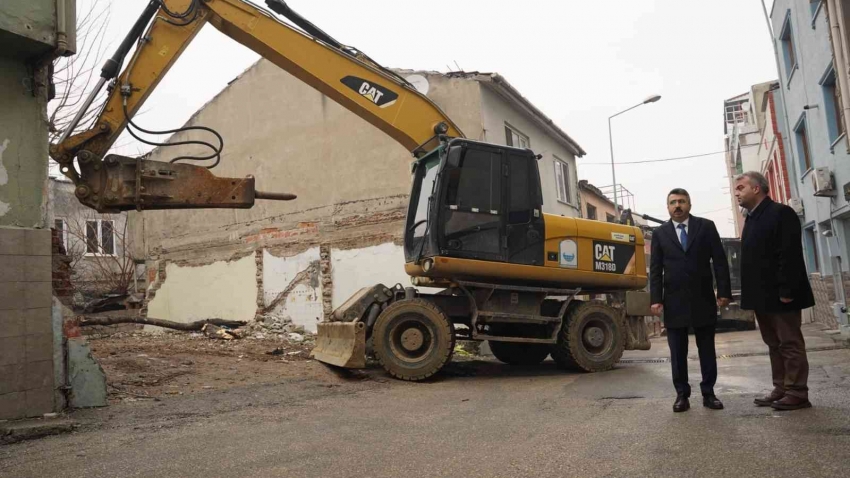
{"x":578,"y":61}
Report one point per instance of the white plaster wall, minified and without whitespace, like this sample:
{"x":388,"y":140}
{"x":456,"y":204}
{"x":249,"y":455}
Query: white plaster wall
{"x":357,"y":268}
{"x":226,"y":289}
{"x":304,"y":303}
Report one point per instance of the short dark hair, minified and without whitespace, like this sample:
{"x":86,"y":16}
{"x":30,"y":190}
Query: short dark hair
{"x":680,"y":192}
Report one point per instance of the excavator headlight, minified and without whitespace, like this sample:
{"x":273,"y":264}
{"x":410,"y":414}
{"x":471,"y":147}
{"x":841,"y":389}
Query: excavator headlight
{"x":427,"y":265}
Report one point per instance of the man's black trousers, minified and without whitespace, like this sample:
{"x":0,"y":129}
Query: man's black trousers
{"x":677,"y":339}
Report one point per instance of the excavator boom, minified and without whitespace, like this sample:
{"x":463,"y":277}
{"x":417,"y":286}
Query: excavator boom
{"x":161,"y":34}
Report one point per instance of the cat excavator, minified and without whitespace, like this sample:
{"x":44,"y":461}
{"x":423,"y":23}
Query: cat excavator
{"x":498,"y":268}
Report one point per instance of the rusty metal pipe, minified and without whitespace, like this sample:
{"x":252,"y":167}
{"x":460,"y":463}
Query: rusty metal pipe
{"x":274,"y":196}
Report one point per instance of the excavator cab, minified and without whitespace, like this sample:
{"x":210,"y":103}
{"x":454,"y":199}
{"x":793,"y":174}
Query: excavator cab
{"x":478,"y":201}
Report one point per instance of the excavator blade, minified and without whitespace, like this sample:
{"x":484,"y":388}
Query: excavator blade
{"x":341,"y":343}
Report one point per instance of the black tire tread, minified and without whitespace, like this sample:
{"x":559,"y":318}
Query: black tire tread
{"x":381,"y":349}
{"x":567,"y":353}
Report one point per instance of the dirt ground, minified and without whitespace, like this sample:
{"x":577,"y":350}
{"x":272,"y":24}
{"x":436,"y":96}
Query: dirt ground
{"x":142,"y":366}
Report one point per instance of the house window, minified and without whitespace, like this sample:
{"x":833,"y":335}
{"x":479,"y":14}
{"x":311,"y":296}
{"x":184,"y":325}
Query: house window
{"x":562,"y":181}
{"x":591,"y":212}
{"x":815,"y":6}
{"x":810,"y":238}
{"x":62,"y":228}
{"x":735,"y":113}
{"x":786,"y":37}
{"x":100,"y":237}
{"x":832,"y":106}
{"x":801,"y":132}
{"x":515,"y":138}
{"x":610,"y":217}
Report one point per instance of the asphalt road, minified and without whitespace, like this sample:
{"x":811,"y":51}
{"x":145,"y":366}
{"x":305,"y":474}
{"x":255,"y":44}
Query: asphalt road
{"x":480,"y":418}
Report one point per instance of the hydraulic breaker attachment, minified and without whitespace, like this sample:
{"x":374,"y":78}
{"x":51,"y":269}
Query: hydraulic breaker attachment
{"x":119,"y":183}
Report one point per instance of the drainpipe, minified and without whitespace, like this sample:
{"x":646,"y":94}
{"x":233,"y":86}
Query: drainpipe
{"x":61,"y":29}
{"x":840,"y":49}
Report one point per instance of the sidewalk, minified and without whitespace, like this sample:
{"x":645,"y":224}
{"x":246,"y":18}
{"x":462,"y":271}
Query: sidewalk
{"x":733,"y":343}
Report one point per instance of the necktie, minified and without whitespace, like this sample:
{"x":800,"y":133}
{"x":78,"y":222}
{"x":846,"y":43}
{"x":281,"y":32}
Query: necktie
{"x":683,"y":236}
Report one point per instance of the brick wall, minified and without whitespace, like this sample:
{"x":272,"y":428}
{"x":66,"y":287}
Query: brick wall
{"x":26,"y":330}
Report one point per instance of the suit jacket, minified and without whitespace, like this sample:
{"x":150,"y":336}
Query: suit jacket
{"x":682,"y":279}
{"x":772,"y":263}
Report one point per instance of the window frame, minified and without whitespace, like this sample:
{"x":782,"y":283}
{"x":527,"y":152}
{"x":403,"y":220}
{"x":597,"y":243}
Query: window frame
{"x":804,"y":147}
{"x":610,"y":217}
{"x":511,"y":130}
{"x":810,"y":239}
{"x":832,"y":106}
{"x":562,"y":167}
{"x":99,"y":228}
{"x":64,"y":231}
{"x":789,"y":53}
{"x":595,"y":212}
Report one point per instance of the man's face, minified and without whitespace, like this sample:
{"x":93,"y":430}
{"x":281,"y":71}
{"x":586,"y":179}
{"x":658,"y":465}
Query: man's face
{"x":679,"y":206}
{"x":745,"y":193}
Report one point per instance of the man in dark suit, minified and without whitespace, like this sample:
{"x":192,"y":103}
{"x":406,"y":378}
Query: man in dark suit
{"x":684,"y":250}
{"x":775,"y":285}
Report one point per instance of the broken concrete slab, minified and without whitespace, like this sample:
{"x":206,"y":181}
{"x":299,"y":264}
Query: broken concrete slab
{"x":86,"y":377}
{"x":20,"y":430}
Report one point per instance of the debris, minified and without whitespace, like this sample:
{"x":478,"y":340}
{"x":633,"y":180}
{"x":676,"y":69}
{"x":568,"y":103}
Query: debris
{"x":294,"y":353}
{"x":207,"y":387}
{"x":277,"y":351}
{"x":216,"y":332}
{"x":295,"y":337}
{"x":51,"y":415}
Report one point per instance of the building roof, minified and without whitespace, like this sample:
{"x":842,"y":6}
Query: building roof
{"x":499,"y":85}
{"x":583,"y":184}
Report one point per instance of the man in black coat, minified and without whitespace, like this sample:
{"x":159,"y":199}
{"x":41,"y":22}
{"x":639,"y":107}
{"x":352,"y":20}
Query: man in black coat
{"x":684,"y":250}
{"x":775,"y":285}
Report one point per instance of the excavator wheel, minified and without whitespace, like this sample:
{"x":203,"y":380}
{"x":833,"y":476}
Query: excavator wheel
{"x":413,"y":339}
{"x":591,"y":339}
{"x":517,"y":353}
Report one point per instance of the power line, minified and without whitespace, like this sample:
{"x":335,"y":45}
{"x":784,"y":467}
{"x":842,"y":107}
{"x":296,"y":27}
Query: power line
{"x":677,"y":158}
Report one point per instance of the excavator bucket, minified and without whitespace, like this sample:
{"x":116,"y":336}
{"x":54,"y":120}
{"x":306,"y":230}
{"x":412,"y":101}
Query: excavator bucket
{"x":341,"y":343}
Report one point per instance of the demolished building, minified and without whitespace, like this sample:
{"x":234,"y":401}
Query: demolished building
{"x":301,"y":259}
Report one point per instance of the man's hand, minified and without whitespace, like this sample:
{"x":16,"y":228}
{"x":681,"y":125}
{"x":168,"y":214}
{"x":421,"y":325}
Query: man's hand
{"x":657,"y":309}
{"x":785,"y":300}
{"x":722,"y":302}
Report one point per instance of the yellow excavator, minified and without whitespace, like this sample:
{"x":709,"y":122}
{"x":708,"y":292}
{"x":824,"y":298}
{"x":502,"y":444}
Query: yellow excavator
{"x":505,"y":271}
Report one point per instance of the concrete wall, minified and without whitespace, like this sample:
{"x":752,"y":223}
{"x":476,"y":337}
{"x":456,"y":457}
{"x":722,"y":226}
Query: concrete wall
{"x":292,"y":287}
{"x":495,"y":113}
{"x":223,"y":289}
{"x":23,"y":147}
{"x":26,"y":324}
{"x":28,"y":27}
{"x":26,"y":329}
{"x":357,"y":268}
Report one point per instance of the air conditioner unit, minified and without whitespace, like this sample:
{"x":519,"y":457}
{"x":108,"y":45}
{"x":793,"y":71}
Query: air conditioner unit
{"x":822,"y":182}
{"x":796,"y":205}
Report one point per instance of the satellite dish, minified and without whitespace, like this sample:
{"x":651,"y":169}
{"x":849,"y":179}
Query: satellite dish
{"x":419,"y":82}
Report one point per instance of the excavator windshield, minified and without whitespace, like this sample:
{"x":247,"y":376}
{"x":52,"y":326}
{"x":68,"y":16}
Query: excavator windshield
{"x":421,"y":197}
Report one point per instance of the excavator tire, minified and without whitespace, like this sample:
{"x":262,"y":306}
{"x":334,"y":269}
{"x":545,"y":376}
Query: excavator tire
{"x":413,"y":339}
{"x":517,"y":353}
{"x":591,"y":339}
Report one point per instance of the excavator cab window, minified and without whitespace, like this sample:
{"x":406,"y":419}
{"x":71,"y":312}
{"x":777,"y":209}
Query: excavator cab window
{"x":472,"y":212}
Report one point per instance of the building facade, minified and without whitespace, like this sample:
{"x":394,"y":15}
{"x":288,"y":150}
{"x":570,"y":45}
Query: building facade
{"x":32,"y":34}
{"x":809,"y":74}
{"x":301,"y":259}
{"x":595,"y":204}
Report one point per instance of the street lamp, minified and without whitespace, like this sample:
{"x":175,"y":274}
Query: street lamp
{"x":651,"y":99}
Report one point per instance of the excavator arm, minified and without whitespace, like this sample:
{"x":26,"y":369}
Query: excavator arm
{"x":110,"y":183}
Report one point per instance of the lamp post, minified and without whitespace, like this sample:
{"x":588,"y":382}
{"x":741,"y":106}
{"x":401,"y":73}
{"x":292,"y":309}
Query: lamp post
{"x":651,"y":99}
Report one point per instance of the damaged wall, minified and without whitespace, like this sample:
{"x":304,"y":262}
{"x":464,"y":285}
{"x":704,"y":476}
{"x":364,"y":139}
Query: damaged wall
{"x":223,"y":289}
{"x":354,"y":269}
{"x":292,"y":287}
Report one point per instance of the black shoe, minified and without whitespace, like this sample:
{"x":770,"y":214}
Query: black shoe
{"x":682,"y":404}
{"x":710,"y":401}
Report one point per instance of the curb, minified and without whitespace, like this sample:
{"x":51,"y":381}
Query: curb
{"x":22,"y":430}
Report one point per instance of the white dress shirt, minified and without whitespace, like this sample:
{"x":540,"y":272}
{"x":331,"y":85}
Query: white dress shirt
{"x":679,"y":231}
